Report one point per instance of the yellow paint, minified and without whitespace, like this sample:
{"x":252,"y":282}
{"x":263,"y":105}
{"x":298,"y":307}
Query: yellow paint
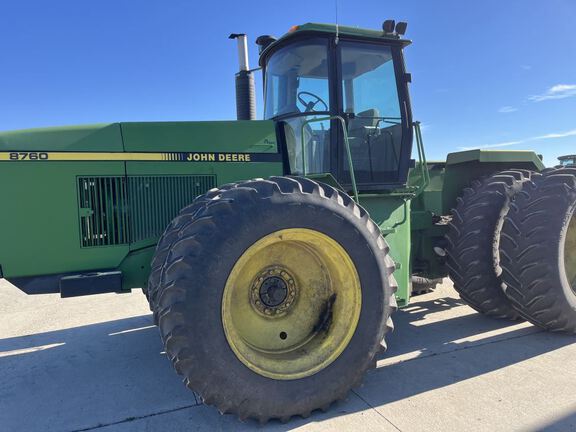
{"x":34,"y":156}
{"x":322,"y":270}
{"x":570,"y":253}
{"x":201,"y":157}
{"x":79,"y":156}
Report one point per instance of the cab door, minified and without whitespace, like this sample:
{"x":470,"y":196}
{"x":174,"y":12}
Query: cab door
{"x":372,"y":97}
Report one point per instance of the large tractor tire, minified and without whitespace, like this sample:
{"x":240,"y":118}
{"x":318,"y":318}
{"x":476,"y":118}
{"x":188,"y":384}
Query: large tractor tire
{"x":275,"y":298}
{"x":538,"y":251}
{"x":168,"y":238}
{"x":473,"y":238}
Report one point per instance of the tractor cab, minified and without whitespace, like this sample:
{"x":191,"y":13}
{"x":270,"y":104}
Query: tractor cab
{"x":340,"y":96}
{"x":569,"y":160}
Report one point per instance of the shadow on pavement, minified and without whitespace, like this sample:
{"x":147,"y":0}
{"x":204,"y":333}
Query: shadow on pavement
{"x":566,"y":423}
{"x":428,"y":353}
{"x":416,"y":329}
{"x":115,"y":372}
{"x":74,"y":378}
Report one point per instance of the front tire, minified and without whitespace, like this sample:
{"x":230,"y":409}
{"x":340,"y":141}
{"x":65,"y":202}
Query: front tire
{"x":168,"y":238}
{"x":275,"y":298}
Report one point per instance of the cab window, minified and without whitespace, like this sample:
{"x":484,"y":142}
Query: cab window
{"x":297,"y":91}
{"x":371,"y":103}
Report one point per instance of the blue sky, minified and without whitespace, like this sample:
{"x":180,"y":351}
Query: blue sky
{"x":498,"y":74}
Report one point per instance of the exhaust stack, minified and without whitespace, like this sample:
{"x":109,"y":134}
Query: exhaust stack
{"x":245,"y":90}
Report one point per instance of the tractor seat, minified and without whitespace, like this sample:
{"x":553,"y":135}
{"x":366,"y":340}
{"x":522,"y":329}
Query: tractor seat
{"x":360,"y":129}
{"x":362,"y":122}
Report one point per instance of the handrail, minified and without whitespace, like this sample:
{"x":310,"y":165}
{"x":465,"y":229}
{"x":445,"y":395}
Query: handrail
{"x":425,"y":174}
{"x":346,"y":143}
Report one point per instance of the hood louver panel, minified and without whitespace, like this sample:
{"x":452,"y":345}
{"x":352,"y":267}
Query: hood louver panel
{"x":121,"y":210}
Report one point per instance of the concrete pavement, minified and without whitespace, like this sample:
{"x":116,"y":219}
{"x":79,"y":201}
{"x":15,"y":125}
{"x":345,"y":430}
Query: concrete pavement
{"x":96,"y":363}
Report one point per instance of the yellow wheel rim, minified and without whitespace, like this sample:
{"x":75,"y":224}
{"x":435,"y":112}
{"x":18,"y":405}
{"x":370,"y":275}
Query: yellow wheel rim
{"x":291,"y":304}
{"x":570,"y":253}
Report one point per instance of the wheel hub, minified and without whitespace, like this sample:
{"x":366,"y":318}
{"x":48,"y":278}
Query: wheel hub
{"x":273,"y":291}
{"x":291,"y":303}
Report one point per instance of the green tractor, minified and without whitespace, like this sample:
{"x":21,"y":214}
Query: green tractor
{"x":273,"y":252}
{"x":568,"y":160}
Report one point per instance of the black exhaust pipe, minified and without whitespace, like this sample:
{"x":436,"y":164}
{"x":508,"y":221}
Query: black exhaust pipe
{"x":245,"y":88}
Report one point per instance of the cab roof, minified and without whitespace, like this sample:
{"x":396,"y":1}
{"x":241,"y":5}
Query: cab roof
{"x":344,"y":30}
{"x":355,"y":32}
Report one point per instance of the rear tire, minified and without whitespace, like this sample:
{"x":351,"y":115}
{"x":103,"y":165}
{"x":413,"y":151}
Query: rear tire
{"x":193,"y":308}
{"x":473,"y":237}
{"x":538,"y":251}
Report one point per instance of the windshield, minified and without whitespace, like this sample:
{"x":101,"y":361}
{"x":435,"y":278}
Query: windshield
{"x":297,"y":80}
{"x":297,"y":88}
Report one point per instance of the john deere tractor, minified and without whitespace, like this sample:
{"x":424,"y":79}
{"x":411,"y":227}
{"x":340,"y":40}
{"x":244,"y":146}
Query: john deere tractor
{"x":273,"y":252}
{"x":568,"y":160}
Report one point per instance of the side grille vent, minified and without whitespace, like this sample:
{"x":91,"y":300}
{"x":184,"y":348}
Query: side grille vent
{"x":155,"y":201}
{"x":103,"y":211}
{"x":120,"y":210}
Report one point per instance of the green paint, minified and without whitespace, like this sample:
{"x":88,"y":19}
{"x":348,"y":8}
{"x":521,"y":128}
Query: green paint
{"x":392,"y":215}
{"x":104,"y":138}
{"x":134,"y":177}
{"x":447,"y":181}
{"x":41,"y":232}
{"x":463,"y":167}
{"x":39,"y":220}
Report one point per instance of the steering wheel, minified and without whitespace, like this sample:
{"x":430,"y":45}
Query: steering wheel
{"x":309,"y":106}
